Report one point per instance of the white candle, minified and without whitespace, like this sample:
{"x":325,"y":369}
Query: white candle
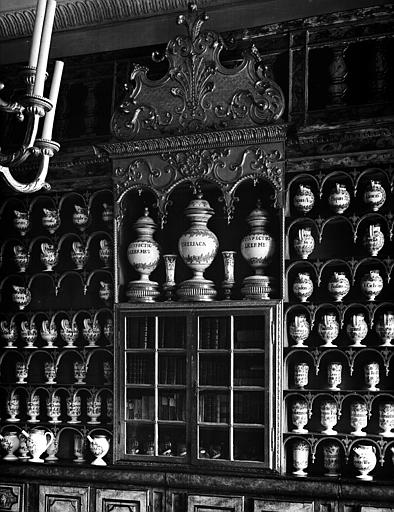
{"x":53,"y":95}
{"x":37,"y":31}
{"x":44,"y":48}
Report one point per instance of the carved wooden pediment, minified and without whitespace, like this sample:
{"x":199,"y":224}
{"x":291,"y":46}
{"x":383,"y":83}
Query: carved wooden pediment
{"x":197,"y":94}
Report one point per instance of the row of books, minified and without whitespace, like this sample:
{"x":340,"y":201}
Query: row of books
{"x":214,"y":371}
{"x":141,"y":408}
{"x":139,"y":370}
{"x":171,"y":407}
{"x":251,"y":373}
{"x":172,"y":370}
{"x":248,"y":408}
{"x":213,"y":333}
{"x":214,"y":408}
{"x":172,"y":332}
{"x":141,"y":332}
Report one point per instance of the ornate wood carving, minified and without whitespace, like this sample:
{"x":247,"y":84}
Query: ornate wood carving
{"x":92,"y":12}
{"x":108,"y":500}
{"x":198,"y":93}
{"x":63,"y":499}
{"x":11,"y":498}
{"x":224,"y":167}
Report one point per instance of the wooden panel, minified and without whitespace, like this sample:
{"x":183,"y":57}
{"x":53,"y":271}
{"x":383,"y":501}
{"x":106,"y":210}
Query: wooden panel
{"x":376,"y":509}
{"x":197,"y":503}
{"x":11,"y":497}
{"x":282,"y":506}
{"x":108,"y":500}
{"x":63,"y":499}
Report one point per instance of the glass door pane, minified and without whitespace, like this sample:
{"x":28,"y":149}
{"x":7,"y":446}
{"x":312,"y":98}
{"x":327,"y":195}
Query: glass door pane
{"x":155,"y":382}
{"x":250,"y":367}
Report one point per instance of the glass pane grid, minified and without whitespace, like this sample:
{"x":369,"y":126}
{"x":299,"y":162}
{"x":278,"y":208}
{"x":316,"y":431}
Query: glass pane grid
{"x":231,"y":388}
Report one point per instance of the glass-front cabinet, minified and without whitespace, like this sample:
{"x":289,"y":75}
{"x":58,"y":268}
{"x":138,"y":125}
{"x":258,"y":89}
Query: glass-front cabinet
{"x":196,"y":384}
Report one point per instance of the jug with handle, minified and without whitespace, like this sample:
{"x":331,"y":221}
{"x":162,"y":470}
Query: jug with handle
{"x":37,"y":442}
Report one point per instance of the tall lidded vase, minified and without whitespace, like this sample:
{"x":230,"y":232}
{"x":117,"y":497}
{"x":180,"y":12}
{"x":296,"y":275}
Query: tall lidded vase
{"x":257,"y":248}
{"x":198,"y":247}
{"x":143,"y":255}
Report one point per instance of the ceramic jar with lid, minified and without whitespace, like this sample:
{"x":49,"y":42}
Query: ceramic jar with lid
{"x":299,"y":330}
{"x":384,"y":327}
{"x":373,"y":240}
{"x":303,"y":286}
{"x":143,"y":255}
{"x":357,"y":329}
{"x":371,"y":284}
{"x":304,"y":243}
{"x":303,"y":199}
{"x":338,"y":286}
{"x":339,"y":198}
{"x":328,"y":329}
{"x":374,"y":195}
{"x":257,"y":248}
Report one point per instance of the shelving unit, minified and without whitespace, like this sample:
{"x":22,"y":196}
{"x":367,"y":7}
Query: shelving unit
{"x":57,"y":323}
{"x":340,"y":332}
{"x":195,"y":384}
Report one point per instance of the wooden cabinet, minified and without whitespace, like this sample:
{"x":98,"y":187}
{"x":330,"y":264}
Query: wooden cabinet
{"x":108,"y":500}
{"x":196,"y":384}
{"x":53,"y":498}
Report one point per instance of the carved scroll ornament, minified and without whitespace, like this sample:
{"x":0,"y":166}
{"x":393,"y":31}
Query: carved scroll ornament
{"x":197,"y":93}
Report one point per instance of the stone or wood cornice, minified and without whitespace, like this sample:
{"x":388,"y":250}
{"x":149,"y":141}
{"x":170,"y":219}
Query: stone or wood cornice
{"x":372,"y":135}
{"x":316,"y":23}
{"x":76,"y":14}
{"x":208,"y":140}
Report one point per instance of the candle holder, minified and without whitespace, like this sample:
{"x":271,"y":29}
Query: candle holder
{"x":228,"y":281}
{"x":34,"y":106}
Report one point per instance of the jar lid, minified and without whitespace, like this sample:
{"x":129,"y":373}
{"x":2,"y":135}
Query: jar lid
{"x":257,"y":215}
{"x":144,"y":221}
{"x":198,"y":205}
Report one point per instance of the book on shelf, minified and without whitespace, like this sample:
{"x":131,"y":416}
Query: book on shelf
{"x":213,"y":408}
{"x":142,"y":408}
{"x":172,"y":407}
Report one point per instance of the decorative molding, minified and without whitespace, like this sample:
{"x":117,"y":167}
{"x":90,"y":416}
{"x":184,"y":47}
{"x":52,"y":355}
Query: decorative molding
{"x":197,"y":94}
{"x":316,"y":23}
{"x":210,"y":140}
{"x":341,"y":161}
{"x":71,"y":15}
{"x":67,"y":499}
{"x":108,"y":500}
{"x":225,"y":168}
{"x":11,"y":498}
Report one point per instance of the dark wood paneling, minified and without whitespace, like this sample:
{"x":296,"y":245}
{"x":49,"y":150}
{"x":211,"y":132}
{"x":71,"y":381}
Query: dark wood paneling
{"x":108,"y":500}
{"x":282,"y":506}
{"x":11,"y":498}
{"x":63,"y":499}
{"x":197,"y":503}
